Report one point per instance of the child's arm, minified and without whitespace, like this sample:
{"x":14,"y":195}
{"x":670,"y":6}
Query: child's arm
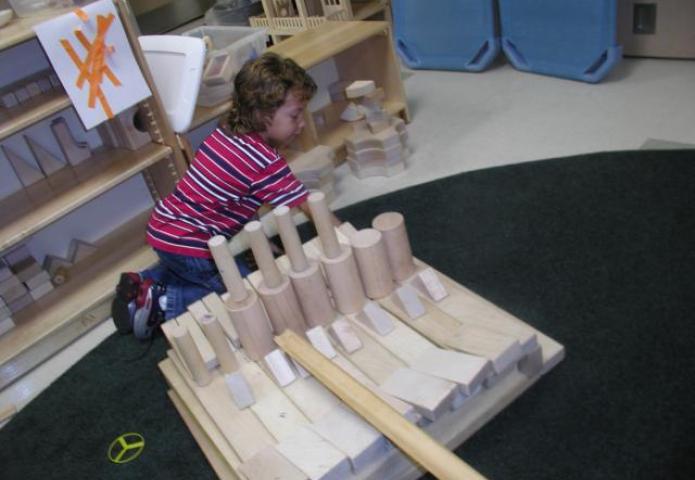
{"x":304,"y":207}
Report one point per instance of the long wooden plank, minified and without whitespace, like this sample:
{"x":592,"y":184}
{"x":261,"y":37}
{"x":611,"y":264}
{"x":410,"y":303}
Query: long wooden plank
{"x":416,"y":443}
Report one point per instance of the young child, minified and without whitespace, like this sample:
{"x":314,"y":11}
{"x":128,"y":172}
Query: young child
{"x":236,"y":169}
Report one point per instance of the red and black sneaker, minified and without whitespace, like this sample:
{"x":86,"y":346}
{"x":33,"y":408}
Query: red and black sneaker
{"x":123,"y":306}
{"x":147,"y":315}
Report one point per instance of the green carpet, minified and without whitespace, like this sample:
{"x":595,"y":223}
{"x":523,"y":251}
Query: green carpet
{"x":596,"y":251}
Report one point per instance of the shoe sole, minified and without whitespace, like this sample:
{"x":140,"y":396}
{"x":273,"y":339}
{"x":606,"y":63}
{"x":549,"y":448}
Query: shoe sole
{"x":119,"y":307}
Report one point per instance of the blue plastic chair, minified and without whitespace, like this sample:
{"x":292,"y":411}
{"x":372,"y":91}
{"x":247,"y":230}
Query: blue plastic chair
{"x":565,"y":38}
{"x":446,"y":34}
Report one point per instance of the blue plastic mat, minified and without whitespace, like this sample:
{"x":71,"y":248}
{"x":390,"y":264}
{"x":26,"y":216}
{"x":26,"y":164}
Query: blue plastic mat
{"x":446,"y":34}
{"x":566,"y":38}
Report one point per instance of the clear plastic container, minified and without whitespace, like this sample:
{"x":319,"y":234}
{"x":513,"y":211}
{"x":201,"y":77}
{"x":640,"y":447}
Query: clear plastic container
{"x":28,"y":8}
{"x":233,"y":12}
{"x":240,"y":43}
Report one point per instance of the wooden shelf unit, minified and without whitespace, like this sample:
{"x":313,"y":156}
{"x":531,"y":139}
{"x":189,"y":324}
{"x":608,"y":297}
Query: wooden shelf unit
{"x":20,"y":29}
{"x":35,"y":109}
{"x":362,"y":50}
{"x":54,"y":321}
{"x":72,"y":309}
{"x":29,"y":210}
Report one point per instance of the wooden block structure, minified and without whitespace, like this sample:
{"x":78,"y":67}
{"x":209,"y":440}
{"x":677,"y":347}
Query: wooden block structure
{"x":260,"y":418}
{"x":378,"y":146}
{"x":316,"y":170}
{"x":74,"y":152}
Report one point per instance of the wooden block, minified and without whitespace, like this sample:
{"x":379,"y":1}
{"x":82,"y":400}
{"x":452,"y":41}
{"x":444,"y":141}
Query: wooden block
{"x":44,"y":84}
{"x":241,"y":428}
{"x":6,"y":324}
{"x":532,"y":364}
{"x":129,"y":135}
{"x":411,"y":440}
{"x":38,"y":280}
{"x":318,"y":338}
{"x":219,"y":69}
{"x":219,"y":342}
{"x":74,"y":152}
{"x":53,"y":264}
{"x":17,"y":255}
{"x":272,"y":407}
{"x":429,"y":284}
{"x":215,"y":305}
{"x":280,"y":367}
{"x":346,"y":431}
{"x":9,"y":100}
{"x":468,"y":371}
{"x":470,"y":309}
{"x":26,"y":172}
{"x":26,"y":269}
{"x":11,"y":290}
{"x":41,"y":290}
{"x":5,"y":272}
{"x":432,"y":396}
{"x":80,"y":250}
{"x":48,"y":162}
{"x":269,"y":464}
{"x":373,"y":317}
{"x":345,"y":336}
{"x":239,"y":389}
{"x":21,"y":94}
{"x":407,"y":299}
{"x":20,"y":303}
{"x":189,"y":353}
{"x":406,"y":410}
{"x":314,"y":456}
{"x":33,"y":89}
{"x":312,"y":398}
{"x":201,"y":342}
{"x":360,"y":88}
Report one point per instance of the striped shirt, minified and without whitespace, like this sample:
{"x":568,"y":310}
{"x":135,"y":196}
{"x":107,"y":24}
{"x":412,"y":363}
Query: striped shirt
{"x":228,"y":180}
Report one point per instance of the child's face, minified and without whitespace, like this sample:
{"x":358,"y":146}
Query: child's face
{"x":287,"y":122}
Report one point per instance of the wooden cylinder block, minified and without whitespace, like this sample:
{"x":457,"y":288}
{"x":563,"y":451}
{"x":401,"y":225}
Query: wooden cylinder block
{"x":283,"y":308}
{"x":321,"y":216}
{"x":344,"y":281}
{"x":215,"y":335}
{"x":313,"y":295}
{"x":372,"y":262}
{"x":392,"y":228}
{"x":272,"y":277}
{"x":290,"y":239}
{"x":191,"y":356}
{"x":228,"y":269}
{"x":252,"y":325}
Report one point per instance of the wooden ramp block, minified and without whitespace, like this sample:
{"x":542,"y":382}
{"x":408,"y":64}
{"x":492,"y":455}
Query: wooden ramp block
{"x":432,"y":396}
{"x":241,"y":428}
{"x":501,"y":350}
{"x":269,"y":464}
{"x":403,"y":342}
{"x":201,"y":341}
{"x":351,"y":435}
{"x":406,"y":410}
{"x":318,"y":338}
{"x":376,"y":319}
{"x":314,"y":456}
{"x":74,"y":152}
{"x":215,"y":305}
{"x":47,"y":161}
{"x":468,"y":371}
{"x":312,"y":398}
{"x":471,"y":309}
{"x":345,"y":336}
{"x":277,"y":412}
{"x":26,"y":172}
{"x":279,"y":366}
{"x":239,"y":389}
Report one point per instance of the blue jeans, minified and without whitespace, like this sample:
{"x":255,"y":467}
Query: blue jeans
{"x":187,"y":279}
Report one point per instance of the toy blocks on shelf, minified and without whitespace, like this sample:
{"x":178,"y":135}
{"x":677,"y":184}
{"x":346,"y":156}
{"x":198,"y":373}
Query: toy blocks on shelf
{"x":315,"y":169}
{"x":22,"y":282}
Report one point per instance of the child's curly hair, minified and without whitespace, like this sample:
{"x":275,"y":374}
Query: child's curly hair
{"x":260,"y":89}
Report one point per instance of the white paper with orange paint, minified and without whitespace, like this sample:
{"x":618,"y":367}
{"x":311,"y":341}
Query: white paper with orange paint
{"x":89,"y":51}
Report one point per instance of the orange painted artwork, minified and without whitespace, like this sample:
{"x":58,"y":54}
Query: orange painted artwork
{"x":91,"y":54}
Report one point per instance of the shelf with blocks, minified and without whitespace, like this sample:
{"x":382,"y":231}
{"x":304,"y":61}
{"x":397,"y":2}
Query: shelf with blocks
{"x":75,"y":307}
{"x":34,"y":110}
{"x":361,"y":50}
{"x":44,"y":202}
{"x":20,"y":29}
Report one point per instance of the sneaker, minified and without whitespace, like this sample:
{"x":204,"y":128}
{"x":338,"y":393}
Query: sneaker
{"x":123,"y":305}
{"x":147,"y":315}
